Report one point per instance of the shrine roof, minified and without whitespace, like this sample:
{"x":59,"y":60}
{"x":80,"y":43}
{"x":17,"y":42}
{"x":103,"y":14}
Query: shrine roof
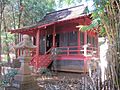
{"x":57,"y":16}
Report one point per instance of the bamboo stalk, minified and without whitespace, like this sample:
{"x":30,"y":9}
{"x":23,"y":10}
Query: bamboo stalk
{"x":118,"y":5}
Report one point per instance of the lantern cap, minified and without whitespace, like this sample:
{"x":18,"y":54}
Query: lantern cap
{"x":25,"y":44}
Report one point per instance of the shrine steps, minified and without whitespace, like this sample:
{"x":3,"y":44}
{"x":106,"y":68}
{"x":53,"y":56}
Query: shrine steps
{"x":41,"y":61}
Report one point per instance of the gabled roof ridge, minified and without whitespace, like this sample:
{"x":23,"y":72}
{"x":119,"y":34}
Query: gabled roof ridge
{"x":59,"y":11}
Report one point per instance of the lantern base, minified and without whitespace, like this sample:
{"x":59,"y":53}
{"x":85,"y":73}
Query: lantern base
{"x":25,"y":82}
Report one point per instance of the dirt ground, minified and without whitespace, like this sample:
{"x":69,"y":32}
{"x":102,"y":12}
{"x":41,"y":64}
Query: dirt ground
{"x":65,"y":81}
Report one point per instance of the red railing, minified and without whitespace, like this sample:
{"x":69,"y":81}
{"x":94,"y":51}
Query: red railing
{"x":70,"y":50}
{"x":45,"y":60}
{"x":76,"y":50}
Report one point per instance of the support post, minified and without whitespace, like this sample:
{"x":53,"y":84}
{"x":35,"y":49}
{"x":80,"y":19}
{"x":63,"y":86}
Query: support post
{"x":38,"y":42}
{"x":85,"y":43}
{"x":78,"y":41}
{"x":54,"y":34}
{"x":85,"y":38}
{"x":38,"y":47}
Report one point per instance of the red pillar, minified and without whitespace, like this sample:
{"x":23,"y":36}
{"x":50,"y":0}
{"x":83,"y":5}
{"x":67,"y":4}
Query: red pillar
{"x":54,"y":34}
{"x":85,"y":38}
{"x":78,"y":41}
{"x":38,"y":47}
{"x":38,"y":42}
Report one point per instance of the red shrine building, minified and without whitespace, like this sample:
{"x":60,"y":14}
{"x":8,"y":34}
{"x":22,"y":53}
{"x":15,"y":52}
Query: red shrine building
{"x":58,"y":39}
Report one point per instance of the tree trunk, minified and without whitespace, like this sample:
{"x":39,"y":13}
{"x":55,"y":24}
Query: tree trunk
{"x":1,"y":13}
{"x":6,"y":38}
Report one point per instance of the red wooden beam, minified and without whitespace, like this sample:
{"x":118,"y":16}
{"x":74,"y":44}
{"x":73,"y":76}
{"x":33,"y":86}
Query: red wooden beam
{"x":37,"y":42}
{"x":78,"y":41}
{"x":38,"y":48}
{"x":54,"y":34}
{"x":85,"y":38}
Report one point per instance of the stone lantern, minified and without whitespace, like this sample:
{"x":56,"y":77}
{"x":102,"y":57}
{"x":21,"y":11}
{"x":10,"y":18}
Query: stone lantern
{"x":24,"y":80}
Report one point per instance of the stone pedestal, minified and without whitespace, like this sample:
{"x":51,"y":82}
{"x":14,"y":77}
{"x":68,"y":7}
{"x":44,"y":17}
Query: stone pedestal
{"x":24,"y":80}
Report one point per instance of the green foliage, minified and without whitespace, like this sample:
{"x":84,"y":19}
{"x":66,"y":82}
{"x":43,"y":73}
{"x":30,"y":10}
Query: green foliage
{"x":87,"y":10}
{"x":95,"y":23}
{"x":96,"y":17}
{"x":45,"y":71}
{"x":3,"y":63}
{"x":35,"y":10}
{"x":69,"y":1}
{"x":6,"y":80}
{"x":10,"y":37}
{"x":65,"y":3}
{"x":102,"y":31}
{"x":10,"y":41}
